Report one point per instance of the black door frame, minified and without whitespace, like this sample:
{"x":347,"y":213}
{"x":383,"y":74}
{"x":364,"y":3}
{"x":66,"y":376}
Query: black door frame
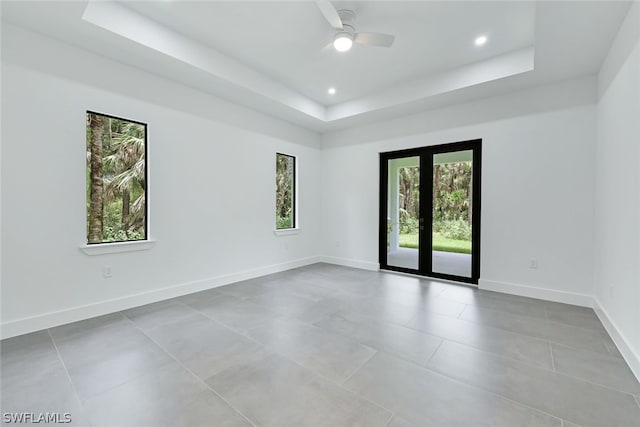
{"x":426,"y":194}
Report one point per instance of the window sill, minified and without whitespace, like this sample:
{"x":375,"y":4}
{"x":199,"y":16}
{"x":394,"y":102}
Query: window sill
{"x":119,"y":247}
{"x":286,"y":231}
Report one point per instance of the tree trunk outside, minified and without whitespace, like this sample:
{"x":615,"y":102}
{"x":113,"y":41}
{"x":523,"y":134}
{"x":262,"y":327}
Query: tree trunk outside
{"x":96,"y":207}
{"x":436,"y":193}
{"x":408,"y":204}
{"x":288,"y":192}
{"x":126,"y":201}
{"x":470,"y":210}
{"x":416,"y":196}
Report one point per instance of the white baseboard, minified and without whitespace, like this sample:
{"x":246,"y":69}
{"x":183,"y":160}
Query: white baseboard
{"x":355,"y":263}
{"x":630,"y":355}
{"x":583,"y":300}
{"x":74,"y":314}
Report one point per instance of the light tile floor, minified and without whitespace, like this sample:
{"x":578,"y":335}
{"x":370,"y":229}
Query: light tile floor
{"x":328,"y":346}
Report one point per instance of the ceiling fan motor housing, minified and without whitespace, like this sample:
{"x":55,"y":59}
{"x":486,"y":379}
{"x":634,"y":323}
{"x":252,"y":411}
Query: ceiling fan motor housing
{"x":348,"y":18}
{"x":347,"y":31}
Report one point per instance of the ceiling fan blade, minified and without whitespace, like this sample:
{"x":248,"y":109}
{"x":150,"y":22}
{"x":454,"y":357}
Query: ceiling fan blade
{"x":375,"y":39}
{"x":330,"y":13}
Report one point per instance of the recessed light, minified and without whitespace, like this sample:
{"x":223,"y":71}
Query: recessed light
{"x":332,"y":91}
{"x":481,"y":40}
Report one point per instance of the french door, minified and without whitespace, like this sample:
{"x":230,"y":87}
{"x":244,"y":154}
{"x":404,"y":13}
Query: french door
{"x":430,"y":211}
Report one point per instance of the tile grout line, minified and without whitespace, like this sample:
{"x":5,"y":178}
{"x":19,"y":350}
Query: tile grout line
{"x":340,"y":386}
{"x":608,"y":353}
{"x":442,"y":340}
{"x":561,"y":374}
{"x":119,"y":384}
{"x":66,"y":371}
{"x":637,"y":398}
{"x":389,"y":421}
{"x":406,"y":324}
{"x":243,"y":334}
{"x":493,"y":393}
{"x":601,"y":331}
{"x":192,"y":373}
{"x":86,"y":332}
{"x":240,"y":332}
{"x":528,"y":362}
{"x":313,"y":371}
{"x":612,"y":353}
{"x":606,"y":387}
{"x":553,"y":363}
{"x":499,"y":396}
{"x":497,"y":307}
{"x":462,"y":311}
{"x":375,"y":351}
{"x":385,"y":352}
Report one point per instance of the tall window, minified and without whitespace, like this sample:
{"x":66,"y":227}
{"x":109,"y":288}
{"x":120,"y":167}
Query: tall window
{"x":285,"y":191}
{"x":116,"y":179}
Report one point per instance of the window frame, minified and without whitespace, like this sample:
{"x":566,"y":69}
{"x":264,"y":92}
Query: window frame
{"x":294,"y":197}
{"x":146,"y":185}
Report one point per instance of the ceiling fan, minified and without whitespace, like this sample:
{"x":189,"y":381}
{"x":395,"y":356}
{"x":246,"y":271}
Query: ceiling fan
{"x":346,"y":35}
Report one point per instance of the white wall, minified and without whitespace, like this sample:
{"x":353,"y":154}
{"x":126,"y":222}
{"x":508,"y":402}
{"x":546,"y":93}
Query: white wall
{"x":537,"y":186}
{"x":211,"y":187}
{"x":617,"y":249}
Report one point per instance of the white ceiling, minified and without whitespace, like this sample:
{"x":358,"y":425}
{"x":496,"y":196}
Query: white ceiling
{"x":273,"y":56}
{"x":289,"y":41}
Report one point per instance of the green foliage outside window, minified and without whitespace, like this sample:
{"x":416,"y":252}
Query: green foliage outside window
{"x":285,"y":191}
{"x":116,"y":179}
{"x":452,"y":207}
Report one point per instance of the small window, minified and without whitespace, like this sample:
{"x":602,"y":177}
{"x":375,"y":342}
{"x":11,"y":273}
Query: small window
{"x":285,"y":191}
{"x":116,"y":179}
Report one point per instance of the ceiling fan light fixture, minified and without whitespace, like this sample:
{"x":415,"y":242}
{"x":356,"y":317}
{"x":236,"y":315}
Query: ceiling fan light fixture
{"x":343,"y":42}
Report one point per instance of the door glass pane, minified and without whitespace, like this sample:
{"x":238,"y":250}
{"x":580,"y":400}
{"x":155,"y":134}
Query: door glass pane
{"x":403,"y":212}
{"x":452,"y":206}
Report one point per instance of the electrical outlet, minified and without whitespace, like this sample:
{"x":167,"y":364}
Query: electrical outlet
{"x":533,"y":263}
{"x":106,"y":271}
